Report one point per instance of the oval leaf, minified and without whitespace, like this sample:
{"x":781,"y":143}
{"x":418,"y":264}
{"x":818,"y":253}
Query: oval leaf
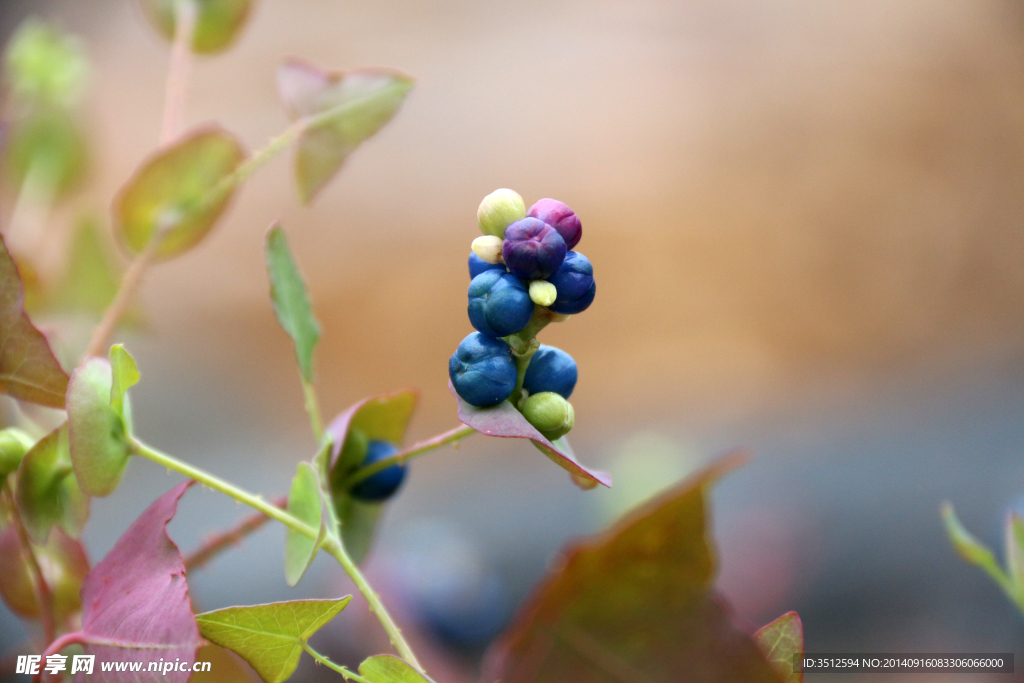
{"x":89,"y":278}
{"x":135,"y":601}
{"x":28,"y":369}
{"x":390,"y":669}
{"x":218,"y":22}
{"x":47,"y":491}
{"x":305,"y":503}
{"x":269,"y":637}
{"x":381,"y":418}
{"x":343,"y":108}
{"x":96,"y":432}
{"x":781,"y":642}
{"x":505,"y":421}
{"x":179,"y":193}
{"x":64,"y":566}
{"x":291,"y":300}
{"x":634,"y":603}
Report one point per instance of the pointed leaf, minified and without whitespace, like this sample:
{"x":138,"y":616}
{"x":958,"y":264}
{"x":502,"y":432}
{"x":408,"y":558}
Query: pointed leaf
{"x":47,"y":491}
{"x":291,"y":301}
{"x":179,"y":192}
{"x":218,"y":22}
{"x":381,"y":418}
{"x":390,"y":669}
{"x":306,"y":504}
{"x":269,"y":637}
{"x":28,"y":369}
{"x":135,"y":601}
{"x":225,"y":667}
{"x":124,"y":373}
{"x":63,"y":563}
{"x":344,"y":109}
{"x":505,"y":421}
{"x":781,"y":642}
{"x":634,"y":603}
{"x":96,"y":432}
{"x":971,"y":549}
{"x":1015,"y":549}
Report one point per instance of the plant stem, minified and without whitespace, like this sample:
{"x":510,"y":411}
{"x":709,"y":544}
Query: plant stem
{"x":224,"y":540}
{"x":347,"y":673}
{"x":336,"y":549}
{"x":407,"y":454}
{"x":177,"y":73}
{"x":122,"y":300}
{"x":332,"y":546}
{"x":313,"y":409}
{"x":44,"y":596}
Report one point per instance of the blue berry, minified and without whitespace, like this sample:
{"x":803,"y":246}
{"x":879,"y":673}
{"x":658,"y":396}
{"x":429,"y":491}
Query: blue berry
{"x":482,"y":370}
{"x":477,"y":265}
{"x":551,"y":369}
{"x":561,"y":218}
{"x":574,"y":283}
{"x":499,"y":304}
{"x":383,"y":484}
{"x":533,"y":249}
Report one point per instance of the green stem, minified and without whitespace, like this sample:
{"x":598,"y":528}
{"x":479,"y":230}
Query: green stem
{"x":347,"y":673}
{"x":313,"y":409}
{"x":332,"y":546}
{"x":405,"y":455}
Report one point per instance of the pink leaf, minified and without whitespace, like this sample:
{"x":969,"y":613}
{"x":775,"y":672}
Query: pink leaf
{"x":135,"y":602}
{"x":505,"y":421}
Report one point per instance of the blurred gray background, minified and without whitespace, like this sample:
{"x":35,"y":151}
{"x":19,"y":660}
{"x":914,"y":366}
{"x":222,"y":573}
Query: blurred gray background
{"x":806,"y":222}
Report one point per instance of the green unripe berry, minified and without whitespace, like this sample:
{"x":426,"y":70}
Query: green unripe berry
{"x":551,"y":414}
{"x":499,"y":210}
{"x":14,"y":444}
{"x":542,"y":292}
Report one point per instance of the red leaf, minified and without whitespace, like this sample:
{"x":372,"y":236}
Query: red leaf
{"x":28,"y":369}
{"x":135,"y":601}
{"x":505,"y":421}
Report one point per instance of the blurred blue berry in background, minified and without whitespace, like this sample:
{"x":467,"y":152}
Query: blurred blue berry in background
{"x":383,"y":484}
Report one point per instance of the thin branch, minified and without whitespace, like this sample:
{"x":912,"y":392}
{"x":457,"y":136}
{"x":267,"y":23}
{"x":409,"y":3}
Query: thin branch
{"x":177,"y":73}
{"x":226,"y":539}
{"x":123,"y":299}
{"x":405,"y":455}
{"x":344,"y":671}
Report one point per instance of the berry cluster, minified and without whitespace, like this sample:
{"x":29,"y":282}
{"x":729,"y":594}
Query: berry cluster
{"x":524,"y":274}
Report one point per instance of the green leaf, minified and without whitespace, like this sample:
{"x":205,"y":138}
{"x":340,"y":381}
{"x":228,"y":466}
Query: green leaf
{"x":269,"y":637}
{"x":125,"y":375}
{"x":635,"y":603}
{"x":1015,"y":549}
{"x":179,"y":193}
{"x":972,"y":550}
{"x":381,"y":418}
{"x":305,"y":503}
{"x":45,"y":148}
{"x":28,"y":369}
{"x":47,"y":491}
{"x":781,"y":641}
{"x":218,"y":22}
{"x":291,"y":301}
{"x":344,"y":109}
{"x":390,"y":669}
{"x":63,"y":563}
{"x":96,"y":432}
{"x":89,"y":279}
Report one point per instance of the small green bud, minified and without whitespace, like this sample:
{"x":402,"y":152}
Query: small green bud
{"x":542,"y":292}
{"x":14,"y":444}
{"x":488,"y":248}
{"x":44,"y":65}
{"x":551,"y":414}
{"x":499,"y":210}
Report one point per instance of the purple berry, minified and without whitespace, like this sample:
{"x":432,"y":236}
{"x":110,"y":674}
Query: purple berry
{"x":533,"y":249}
{"x":561,"y":218}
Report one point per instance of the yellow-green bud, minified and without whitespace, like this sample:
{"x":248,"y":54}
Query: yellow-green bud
{"x":499,"y":210}
{"x":551,"y":414}
{"x":542,"y":292}
{"x":488,"y":248}
{"x":14,"y":444}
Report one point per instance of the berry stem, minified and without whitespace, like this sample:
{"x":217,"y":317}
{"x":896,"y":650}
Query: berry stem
{"x":226,"y":539}
{"x":405,"y":455}
{"x":347,"y":673}
{"x":313,"y":409}
{"x":177,"y":73}
{"x":332,"y":546}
